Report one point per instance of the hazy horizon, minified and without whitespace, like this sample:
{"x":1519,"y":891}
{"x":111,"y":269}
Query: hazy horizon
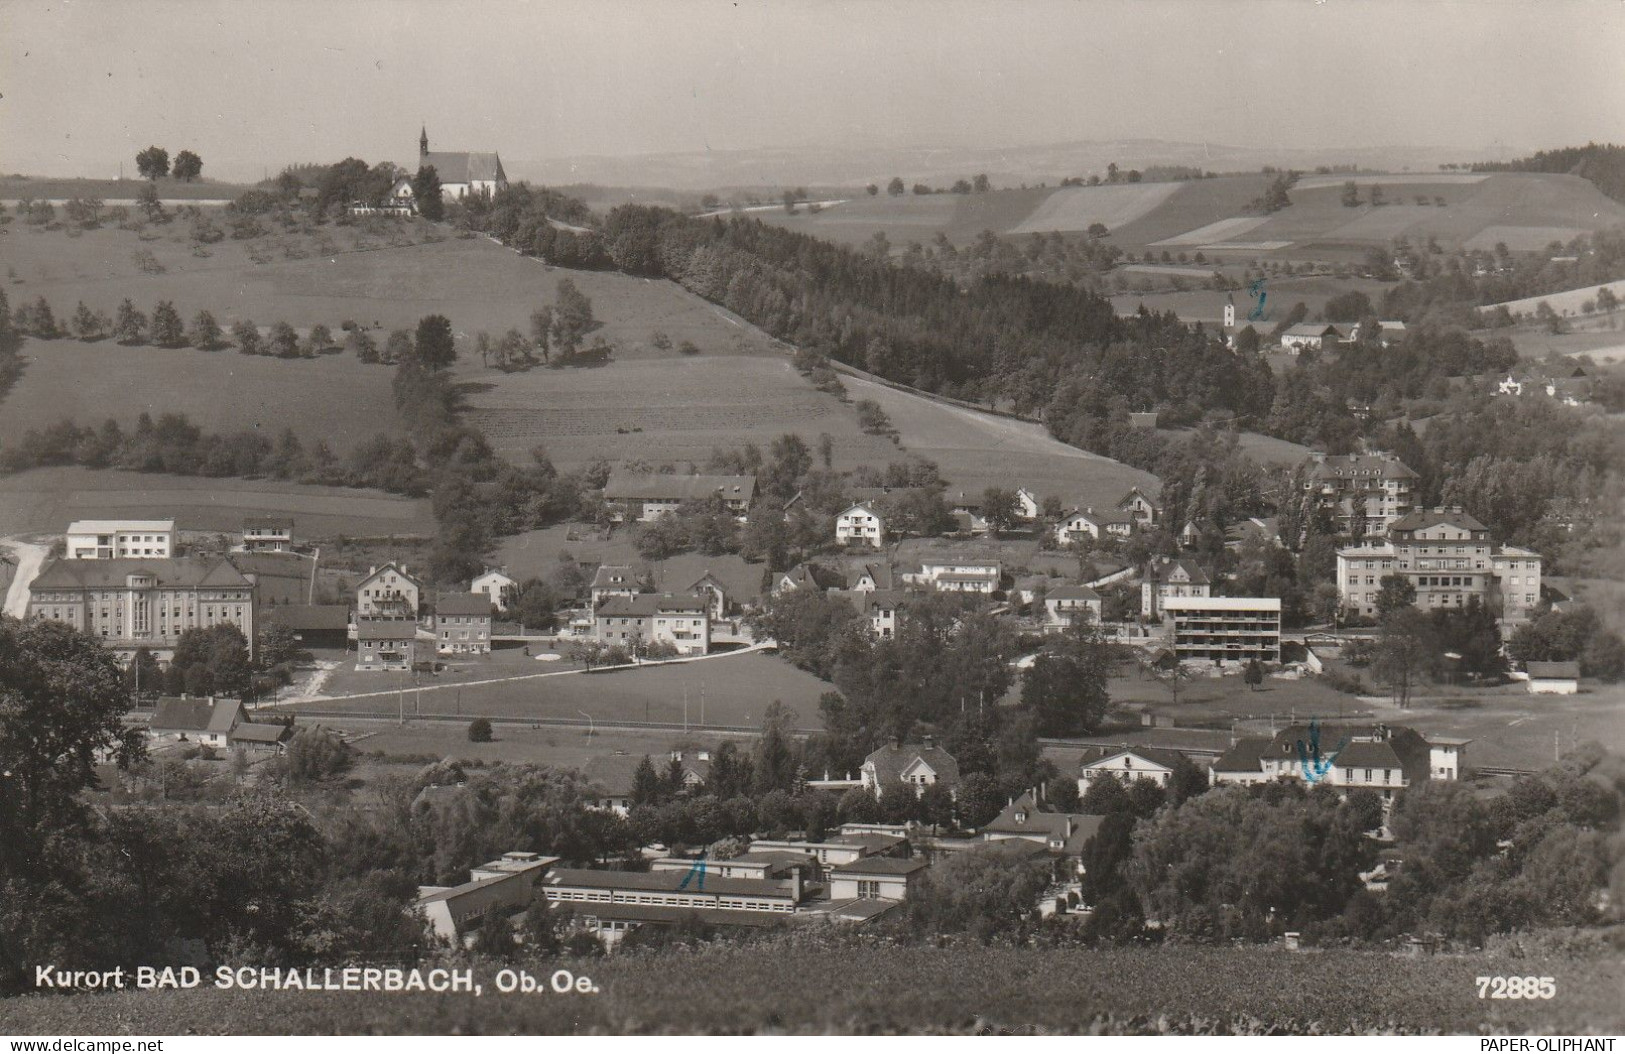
{"x":253,"y":87}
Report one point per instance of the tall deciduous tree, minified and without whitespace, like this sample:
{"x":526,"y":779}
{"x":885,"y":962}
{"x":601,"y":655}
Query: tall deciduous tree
{"x":153,"y":162}
{"x":61,"y":704}
{"x":435,"y":347}
{"x":188,"y":166}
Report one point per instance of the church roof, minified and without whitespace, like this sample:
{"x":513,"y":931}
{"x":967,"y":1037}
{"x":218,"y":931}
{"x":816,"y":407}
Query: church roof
{"x":464,"y":166}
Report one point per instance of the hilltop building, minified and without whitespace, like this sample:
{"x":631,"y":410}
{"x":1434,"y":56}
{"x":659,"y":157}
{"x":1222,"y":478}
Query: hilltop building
{"x":268,"y":534}
{"x":461,"y":172}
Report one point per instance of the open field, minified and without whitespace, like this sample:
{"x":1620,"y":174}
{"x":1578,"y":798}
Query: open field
{"x":1507,"y":726}
{"x":1568,"y":302}
{"x":565,"y":748}
{"x":737,"y":690}
{"x":45,"y":500}
{"x":671,"y":409}
{"x":333,"y":397}
{"x":1266,"y":450}
{"x":853,"y":988}
{"x":976,"y":450}
{"x":912,"y":217}
{"x":1076,"y":209}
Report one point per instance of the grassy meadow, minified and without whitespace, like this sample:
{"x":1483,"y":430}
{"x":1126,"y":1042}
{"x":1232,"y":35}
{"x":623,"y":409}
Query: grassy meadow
{"x":45,"y":500}
{"x":737,"y":691}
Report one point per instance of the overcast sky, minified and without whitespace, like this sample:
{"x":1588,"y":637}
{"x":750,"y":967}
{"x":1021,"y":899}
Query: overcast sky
{"x":260,"y":83}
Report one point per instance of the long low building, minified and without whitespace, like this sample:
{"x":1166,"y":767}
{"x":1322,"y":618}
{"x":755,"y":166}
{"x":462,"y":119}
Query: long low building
{"x":649,"y":496}
{"x":693,"y":888}
{"x":1380,"y":758}
{"x":1225,"y":629}
{"x":504,"y":885}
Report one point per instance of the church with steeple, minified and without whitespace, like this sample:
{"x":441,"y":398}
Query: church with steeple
{"x":462,"y":173}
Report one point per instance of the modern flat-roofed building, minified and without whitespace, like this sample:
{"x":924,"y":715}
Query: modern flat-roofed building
{"x":694,"y":888}
{"x":505,"y":885}
{"x":119,"y":539}
{"x":1225,"y":629}
{"x":268,"y":534}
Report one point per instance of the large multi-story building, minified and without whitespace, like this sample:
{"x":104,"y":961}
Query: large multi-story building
{"x":1366,"y":493}
{"x":1225,"y":629}
{"x":1449,"y":557}
{"x":119,"y":539}
{"x":143,"y":603}
{"x":462,"y":623}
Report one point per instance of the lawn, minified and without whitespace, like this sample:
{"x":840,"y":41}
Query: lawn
{"x":46,"y":500}
{"x":822,"y":987}
{"x":735,"y":691}
{"x":334,"y":397}
{"x":976,"y":450}
{"x":382,"y":273}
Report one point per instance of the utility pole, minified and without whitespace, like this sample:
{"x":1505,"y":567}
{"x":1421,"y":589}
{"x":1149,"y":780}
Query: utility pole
{"x":400,"y":697}
{"x":702,"y":704}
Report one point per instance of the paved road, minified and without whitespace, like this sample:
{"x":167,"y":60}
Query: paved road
{"x":30,"y":558}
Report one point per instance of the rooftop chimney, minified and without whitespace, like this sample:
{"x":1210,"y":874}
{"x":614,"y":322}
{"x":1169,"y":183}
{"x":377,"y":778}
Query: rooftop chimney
{"x":930,"y":742}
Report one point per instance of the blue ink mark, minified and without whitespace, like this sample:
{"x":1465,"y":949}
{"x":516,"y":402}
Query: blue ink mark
{"x":1315,"y":766}
{"x":1256,"y":290}
{"x":697,"y":870}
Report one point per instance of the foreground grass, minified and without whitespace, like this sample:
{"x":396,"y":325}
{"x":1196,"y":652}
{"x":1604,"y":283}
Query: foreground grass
{"x":790,"y":986}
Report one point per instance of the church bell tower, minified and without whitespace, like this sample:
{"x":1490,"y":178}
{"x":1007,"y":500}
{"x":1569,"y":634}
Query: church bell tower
{"x":423,"y":143}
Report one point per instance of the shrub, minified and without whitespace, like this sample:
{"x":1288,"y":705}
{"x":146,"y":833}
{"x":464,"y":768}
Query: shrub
{"x":479,"y":730}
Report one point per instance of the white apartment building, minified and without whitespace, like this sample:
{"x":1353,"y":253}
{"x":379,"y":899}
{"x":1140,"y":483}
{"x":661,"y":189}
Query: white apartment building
{"x":118,"y":539}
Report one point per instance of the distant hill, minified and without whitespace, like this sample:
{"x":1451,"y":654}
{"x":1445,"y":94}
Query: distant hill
{"x":1525,"y":210}
{"x":857,"y":165}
